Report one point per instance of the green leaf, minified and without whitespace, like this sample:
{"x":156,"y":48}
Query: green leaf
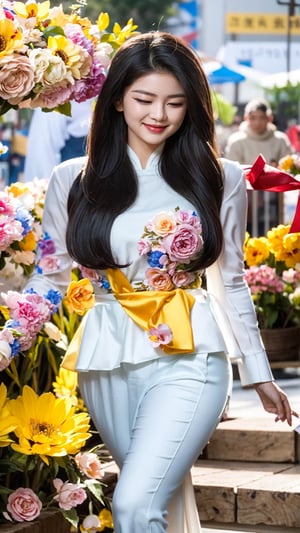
{"x":71,"y":516}
{"x":96,"y":488}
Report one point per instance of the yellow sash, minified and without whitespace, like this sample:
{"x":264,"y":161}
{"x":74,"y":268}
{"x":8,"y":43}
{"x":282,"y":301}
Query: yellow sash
{"x":147,"y":309}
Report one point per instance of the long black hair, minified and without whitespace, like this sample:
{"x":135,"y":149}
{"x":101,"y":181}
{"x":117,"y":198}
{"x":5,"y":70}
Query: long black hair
{"x":189,"y":164}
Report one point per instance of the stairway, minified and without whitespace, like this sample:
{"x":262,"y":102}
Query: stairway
{"x":249,"y":477}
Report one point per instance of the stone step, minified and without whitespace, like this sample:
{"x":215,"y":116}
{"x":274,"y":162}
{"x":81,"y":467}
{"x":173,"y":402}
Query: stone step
{"x":247,"y":493}
{"x":253,"y":439}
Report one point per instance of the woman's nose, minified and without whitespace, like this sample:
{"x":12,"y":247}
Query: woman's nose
{"x":158,"y":111}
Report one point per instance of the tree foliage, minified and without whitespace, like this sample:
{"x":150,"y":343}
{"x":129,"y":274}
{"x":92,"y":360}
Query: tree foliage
{"x":147,"y":14}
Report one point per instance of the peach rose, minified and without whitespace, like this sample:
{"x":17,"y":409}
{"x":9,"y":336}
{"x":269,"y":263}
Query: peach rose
{"x":24,"y":505}
{"x":89,"y":465}
{"x":158,"y":279}
{"x":80,"y":295}
{"x":163,"y":224}
{"x":16,"y":78}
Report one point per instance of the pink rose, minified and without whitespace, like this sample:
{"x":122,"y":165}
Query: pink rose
{"x":184,"y":244}
{"x":16,"y":78}
{"x":24,"y":505}
{"x":160,"y":335}
{"x":187,"y":216}
{"x":91,"y":524}
{"x":144,"y":246}
{"x":158,"y":279}
{"x":181,"y":278}
{"x":89,"y":464}
{"x":49,"y":263}
{"x":69,"y":495}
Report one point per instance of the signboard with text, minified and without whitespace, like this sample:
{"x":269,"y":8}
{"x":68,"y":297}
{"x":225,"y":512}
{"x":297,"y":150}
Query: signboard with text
{"x":261,"y":23}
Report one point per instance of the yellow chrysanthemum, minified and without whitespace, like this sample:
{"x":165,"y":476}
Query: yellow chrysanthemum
{"x":65,"y":385}
{"x":275,"y":241}
{"x":256,"y":250}
{"x":68,"y":51}
{"x":48,"y":426}
{"x":32,"y":9}
{"x":28,"y":243}
{"x":10,"y":37}
{"x":8,"y":423}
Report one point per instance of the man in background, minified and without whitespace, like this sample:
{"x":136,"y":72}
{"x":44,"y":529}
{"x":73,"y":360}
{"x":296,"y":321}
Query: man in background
{"x":257,"y":134}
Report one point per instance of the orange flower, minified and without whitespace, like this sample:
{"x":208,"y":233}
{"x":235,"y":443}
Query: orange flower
{"x":80,"y":296}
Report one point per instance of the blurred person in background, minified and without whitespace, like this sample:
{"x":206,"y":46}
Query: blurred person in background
{"x":257,"y":134}
{"x":54,"y":137}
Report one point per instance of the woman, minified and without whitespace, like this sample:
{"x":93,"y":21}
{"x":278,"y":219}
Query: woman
{"x":151,"y":210}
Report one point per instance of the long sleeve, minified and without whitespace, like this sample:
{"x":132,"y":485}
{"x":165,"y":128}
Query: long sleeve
{"x":253,"y":365}
{"x":54,"y":225}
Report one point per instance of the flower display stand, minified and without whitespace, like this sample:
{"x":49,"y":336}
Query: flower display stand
{"x":47,"y":521}
{"x":282,"y":346}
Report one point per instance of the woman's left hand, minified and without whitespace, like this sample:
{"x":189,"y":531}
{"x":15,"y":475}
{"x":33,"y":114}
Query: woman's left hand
{"x":275,"y":401}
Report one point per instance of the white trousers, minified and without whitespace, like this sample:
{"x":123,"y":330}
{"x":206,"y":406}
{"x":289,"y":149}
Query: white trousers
{"x":155,"y":419}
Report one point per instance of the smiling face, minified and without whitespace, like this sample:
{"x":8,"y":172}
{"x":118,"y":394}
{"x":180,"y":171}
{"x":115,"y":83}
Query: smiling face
{"x":154,"y":107}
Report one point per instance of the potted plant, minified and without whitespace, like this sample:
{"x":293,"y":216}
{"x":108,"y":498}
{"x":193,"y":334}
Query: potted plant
{"x":273,"y":275}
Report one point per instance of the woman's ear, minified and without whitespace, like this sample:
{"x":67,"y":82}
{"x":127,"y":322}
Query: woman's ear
{"x":119,"y":105}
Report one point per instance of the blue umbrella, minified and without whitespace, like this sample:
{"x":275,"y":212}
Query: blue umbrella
{"x":224,"y":75}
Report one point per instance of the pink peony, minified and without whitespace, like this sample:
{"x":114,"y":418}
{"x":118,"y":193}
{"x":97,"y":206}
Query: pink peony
{"x":89,"y":465}
{"x":184,"y":244}
{"x":158,"y":279}
{"x":24,"y":505}
{"x":69,"y":495}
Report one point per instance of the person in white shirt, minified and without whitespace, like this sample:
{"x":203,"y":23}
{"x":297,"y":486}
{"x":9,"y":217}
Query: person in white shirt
{"x":54,"y":137}
{"x":145,"y":214}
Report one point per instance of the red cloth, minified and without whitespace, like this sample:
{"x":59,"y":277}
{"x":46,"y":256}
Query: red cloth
{"x":264,"y":177}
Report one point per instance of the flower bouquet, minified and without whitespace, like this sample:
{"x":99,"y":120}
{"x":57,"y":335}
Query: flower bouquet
{"x":21,"y":208}
{"x":49,"y":58}
{"x":273,"y":275}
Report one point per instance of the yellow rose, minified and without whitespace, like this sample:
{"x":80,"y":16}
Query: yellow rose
{"x":80,"y":295}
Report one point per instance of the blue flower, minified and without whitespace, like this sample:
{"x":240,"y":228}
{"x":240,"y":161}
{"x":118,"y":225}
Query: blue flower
{"x":26,"y":219}
{"x":154,"y":259}
{"x":54,"y":297}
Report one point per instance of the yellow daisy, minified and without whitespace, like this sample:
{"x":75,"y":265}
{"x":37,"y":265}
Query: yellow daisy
{"x":68,"y":51}
{"x":65,"y":385}
{"x":48,"y":426}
